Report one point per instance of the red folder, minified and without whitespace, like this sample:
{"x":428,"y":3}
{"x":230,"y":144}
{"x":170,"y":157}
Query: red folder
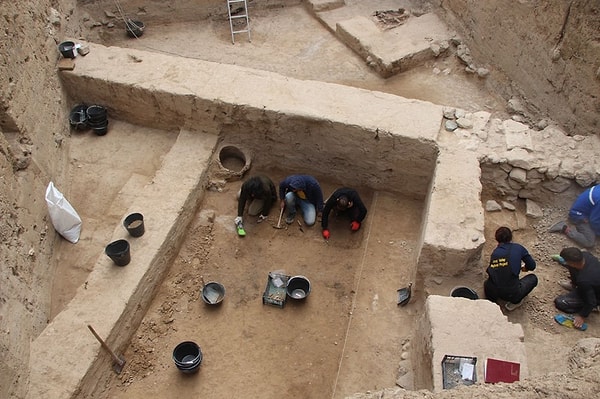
{"x":501,"y":371}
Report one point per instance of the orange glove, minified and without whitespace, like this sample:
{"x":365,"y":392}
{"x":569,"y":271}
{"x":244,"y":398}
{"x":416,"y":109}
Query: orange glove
{"x":354,"y":226}
{"x":326,"y":234}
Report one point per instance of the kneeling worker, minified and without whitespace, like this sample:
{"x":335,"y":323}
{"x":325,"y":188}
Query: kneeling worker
{"x":584,"y":270}
{"x":259,"y":191}
{"x":506,"y":263}
{"x":345,"y":201}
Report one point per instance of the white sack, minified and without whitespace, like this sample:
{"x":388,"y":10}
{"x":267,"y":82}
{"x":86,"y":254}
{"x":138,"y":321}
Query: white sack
{"x":64,"y":218}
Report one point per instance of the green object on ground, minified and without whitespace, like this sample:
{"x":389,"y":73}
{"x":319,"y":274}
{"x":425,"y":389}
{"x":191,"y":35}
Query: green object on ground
{"x":558,"y":258}
{"x":240,"y":230}
{"x":567,"y":321}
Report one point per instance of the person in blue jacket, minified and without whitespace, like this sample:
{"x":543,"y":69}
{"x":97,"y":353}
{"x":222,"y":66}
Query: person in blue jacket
{"x":506,"y":262}
{"x":304,"y":192}
{"x":584,"y":215}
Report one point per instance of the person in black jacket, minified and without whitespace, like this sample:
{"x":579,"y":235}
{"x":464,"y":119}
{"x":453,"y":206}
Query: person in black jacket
{"x":506,"y":262}
{"x":584,"y":270}
{"x":259,"y":193}
{"x":344,"y":201}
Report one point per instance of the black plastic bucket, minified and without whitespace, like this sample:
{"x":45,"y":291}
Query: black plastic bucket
{"x":187,"y":357}
{"x":464,"y":292}
{"x":118,"y":251}
{"x":78,"y":117}
{"x":67,"y":49}
{"x":101,"y":130}
{"x":97,"y":119}
{"x":134,"y":28}
{"x":134,"y":223}
{"x":96,"y":113}
{"x":298,"y":287}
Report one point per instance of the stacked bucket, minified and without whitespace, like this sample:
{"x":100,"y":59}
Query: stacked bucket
{"x":84,"y":117}
{"x":97,"y":119}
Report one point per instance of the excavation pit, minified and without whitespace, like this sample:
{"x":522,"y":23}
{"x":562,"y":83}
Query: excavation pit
{"x":392,"y":163}
{"x":393,"y":153}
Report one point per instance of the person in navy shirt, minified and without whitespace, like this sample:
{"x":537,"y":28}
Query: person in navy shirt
{"x":506,"y":263}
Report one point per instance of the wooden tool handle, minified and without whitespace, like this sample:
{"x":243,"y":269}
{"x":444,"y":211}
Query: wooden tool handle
{"x":114,"y":356}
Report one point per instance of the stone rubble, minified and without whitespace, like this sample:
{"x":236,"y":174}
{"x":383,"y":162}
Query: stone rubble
{"x":524,"y":162}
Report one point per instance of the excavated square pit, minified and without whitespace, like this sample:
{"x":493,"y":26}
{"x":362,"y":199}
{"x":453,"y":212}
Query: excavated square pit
{"x":349,"y":335}
{"x":150,"y":369}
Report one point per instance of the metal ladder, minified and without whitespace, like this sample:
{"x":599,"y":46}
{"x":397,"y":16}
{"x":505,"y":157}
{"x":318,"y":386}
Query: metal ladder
{"x":240,"y":12}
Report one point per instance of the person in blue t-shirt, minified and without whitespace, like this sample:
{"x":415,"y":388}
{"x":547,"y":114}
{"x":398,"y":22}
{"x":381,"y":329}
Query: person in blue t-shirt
{"x":585,"y":216}
{"x":506,"y":262}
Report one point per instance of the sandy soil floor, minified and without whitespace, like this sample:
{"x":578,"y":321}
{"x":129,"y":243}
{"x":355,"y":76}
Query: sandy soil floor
{"x":348,"y":335}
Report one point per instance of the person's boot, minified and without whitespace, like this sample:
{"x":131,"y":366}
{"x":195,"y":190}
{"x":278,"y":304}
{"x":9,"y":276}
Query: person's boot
{"x":566,"y":284}
{"x":290,"y":218}
{"x":559,"y":227}
{"x":512,"y":306}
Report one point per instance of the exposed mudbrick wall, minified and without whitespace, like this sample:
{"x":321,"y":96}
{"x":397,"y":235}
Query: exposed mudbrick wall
{"x":556,"y":65}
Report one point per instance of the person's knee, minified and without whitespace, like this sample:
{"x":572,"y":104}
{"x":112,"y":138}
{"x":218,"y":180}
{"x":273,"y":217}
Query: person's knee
{"x":310,"y":218}
{"x":561,"y":304}
{"x":290,"y":199}
{"x":584,"y":242}
{"x":489,"y":291}
{"x":534,"y":280}
{"x":588,"y":244}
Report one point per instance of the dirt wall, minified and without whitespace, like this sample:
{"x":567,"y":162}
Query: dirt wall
{"x":104,"y":19}
{"x":161,"y":12}
{"x":556,"y":65}
{"x":34,"y":150}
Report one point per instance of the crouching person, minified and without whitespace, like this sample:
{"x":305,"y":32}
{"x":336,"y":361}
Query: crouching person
{"x":506,"y":263}
{"x":584,"y":270}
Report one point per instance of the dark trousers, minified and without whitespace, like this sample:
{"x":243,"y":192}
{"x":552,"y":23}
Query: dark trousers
{"x":582,"y":234}
{"x":512,"y":294}
{"x":571,"y":302}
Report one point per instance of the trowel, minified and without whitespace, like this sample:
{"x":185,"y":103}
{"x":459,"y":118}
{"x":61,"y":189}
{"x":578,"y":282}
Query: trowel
{"x":404,"y":295}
